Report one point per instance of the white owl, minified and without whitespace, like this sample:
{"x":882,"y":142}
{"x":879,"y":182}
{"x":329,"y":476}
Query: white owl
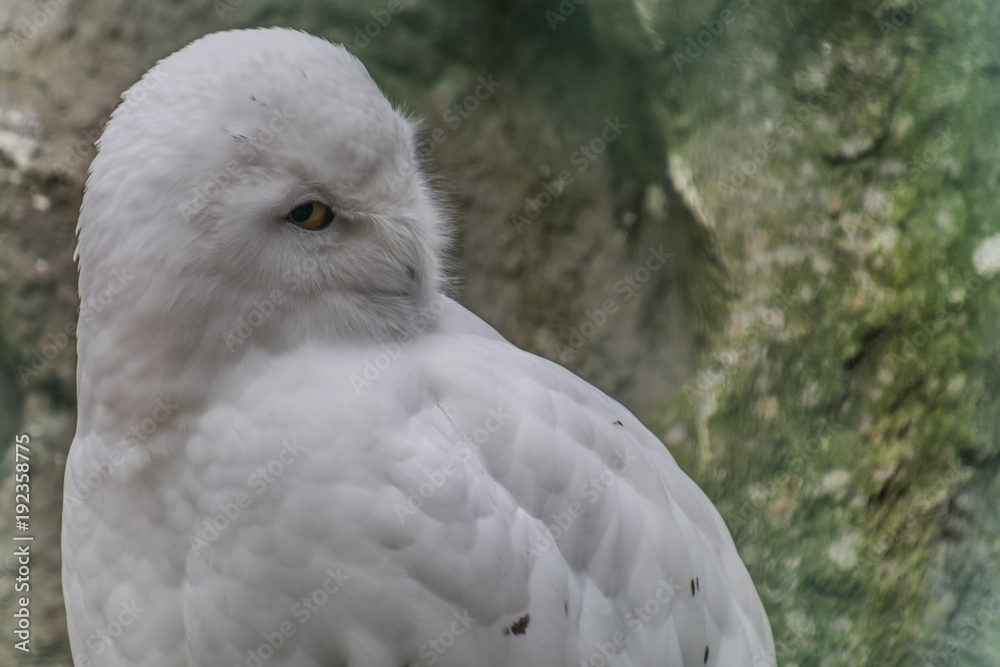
{"x":292,"y":449}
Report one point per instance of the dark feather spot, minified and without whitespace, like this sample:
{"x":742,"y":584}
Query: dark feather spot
{"x":566,"y":607}
{"x":618,"y":422}
{"x":706,"y":655}
{"x":692,"y":588}
{"x":520,"y":626}
{"x":697,"y":584}
{"x":253,"y":99}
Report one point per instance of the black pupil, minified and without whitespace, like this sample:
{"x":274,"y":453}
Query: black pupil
{"x":302,"y":213}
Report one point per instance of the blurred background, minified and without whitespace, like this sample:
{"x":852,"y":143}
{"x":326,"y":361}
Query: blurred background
{"x":769,"y":227}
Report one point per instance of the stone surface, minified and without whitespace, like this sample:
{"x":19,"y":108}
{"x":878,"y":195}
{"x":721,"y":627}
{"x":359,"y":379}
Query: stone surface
{"x":817,"y":345}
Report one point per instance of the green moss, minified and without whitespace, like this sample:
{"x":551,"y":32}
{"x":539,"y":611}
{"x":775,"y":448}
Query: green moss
{"x":893,"y":350}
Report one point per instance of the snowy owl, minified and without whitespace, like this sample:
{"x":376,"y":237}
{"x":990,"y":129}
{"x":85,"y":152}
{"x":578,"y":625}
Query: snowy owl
{"x":294,"y":450}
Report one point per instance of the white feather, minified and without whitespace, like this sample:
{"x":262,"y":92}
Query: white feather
{"x":293,"y":450}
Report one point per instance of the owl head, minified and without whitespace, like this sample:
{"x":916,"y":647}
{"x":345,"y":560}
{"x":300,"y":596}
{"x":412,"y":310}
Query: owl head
{"x":256,"y":185}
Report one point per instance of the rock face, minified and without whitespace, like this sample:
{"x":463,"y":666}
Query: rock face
{"x":768,"y":227}
{"x":846,"y":417}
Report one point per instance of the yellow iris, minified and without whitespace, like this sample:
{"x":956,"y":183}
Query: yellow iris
{"x":311,"y":215}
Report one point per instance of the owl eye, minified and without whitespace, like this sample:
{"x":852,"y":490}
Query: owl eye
{"x":311,"y":215}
